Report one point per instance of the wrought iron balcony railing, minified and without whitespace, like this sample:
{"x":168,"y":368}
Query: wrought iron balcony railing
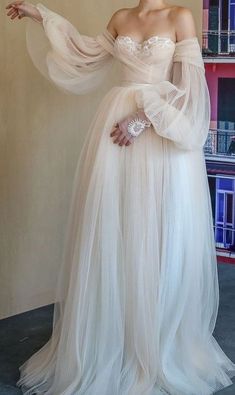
{"x":224,"y":237}
{"x":218,"y":43}
{"x":220,"y":142}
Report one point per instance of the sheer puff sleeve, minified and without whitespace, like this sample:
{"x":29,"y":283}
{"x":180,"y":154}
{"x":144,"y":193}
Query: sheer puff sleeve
{"x":179,"y":109}
{"x":74,"y":62}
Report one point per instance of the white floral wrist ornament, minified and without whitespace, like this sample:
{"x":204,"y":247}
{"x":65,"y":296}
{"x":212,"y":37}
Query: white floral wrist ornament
{"x":134,"y":125}
{"x":137,"y":126}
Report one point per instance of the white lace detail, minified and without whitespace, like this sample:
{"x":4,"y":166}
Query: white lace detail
{"x":136,"y":126}
{"x":144,"y":47}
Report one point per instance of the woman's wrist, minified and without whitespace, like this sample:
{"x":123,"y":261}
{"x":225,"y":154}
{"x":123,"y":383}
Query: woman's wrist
{"x":141,"y":114}
{"x":31,"y":11}
{"x":36,"y":16}
{"x":138,"y":123}
{"x":133,"y":125}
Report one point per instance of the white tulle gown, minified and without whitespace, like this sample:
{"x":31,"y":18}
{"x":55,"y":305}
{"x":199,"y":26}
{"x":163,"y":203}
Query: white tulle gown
{"x":138,"y":295}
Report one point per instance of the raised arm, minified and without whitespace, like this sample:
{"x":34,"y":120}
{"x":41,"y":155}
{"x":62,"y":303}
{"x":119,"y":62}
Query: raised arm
{"x":74,"y":62}
{"x":20,"y":9}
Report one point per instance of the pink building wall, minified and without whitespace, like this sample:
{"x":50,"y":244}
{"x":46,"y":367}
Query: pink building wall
{"x":214,"y":71}
{"x":205,"y":20}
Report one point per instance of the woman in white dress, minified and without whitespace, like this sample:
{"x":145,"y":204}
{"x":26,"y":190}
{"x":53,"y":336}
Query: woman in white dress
{"x":138,"y":295}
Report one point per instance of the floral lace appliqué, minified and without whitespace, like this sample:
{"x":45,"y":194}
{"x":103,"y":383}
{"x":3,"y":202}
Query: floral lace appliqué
{"x":145,"y":47}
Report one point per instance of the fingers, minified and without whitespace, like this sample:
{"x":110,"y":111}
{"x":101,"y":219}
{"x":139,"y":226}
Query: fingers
{"x":16,"y":14}
{"x":115,"y":131}
{"x":15,"y":9}
{"x":120,"y":138}
{"x":13,"y":13}
{"x":118,"y":135}
{"x":12,"y":10}
{"x":14,"y":3}
{"x":124,"y":141}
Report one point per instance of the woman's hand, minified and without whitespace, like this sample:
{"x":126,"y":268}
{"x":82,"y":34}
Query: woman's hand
{"x":129,"y":128}
{"x":20,"y":9}
{"x":120,"y":137}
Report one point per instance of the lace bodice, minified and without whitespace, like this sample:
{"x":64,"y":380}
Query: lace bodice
{"x":145,"y":47}
{"x":155,"y":55}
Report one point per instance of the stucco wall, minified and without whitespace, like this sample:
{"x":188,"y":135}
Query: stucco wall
{"x":42,"y":131}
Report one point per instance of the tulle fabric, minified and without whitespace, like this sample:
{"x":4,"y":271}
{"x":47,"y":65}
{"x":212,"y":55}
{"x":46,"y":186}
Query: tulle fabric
{"x":75,"y":63}
{"x":137,"y":296}
{"x":180,"y":109}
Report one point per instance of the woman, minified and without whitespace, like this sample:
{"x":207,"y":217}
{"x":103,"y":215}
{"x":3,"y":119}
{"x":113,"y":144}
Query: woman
{"x":138,"y":293}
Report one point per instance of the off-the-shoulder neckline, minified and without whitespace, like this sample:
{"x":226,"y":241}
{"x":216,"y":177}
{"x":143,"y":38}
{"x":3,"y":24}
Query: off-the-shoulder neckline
{"x":144,"y":41}
{"x":176,"y":43}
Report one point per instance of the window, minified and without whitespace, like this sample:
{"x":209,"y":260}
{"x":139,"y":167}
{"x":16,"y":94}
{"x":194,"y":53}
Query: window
{"x":225,"y":212}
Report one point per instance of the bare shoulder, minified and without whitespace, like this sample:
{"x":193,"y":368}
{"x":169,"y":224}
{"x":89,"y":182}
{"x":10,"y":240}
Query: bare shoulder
{"x":184,"y":23}
{"x":181,"y":13}
{"x":117,"y":19}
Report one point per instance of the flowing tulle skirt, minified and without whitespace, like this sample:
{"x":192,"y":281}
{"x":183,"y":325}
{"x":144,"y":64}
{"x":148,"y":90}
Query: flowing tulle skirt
{"x":138,"y":295}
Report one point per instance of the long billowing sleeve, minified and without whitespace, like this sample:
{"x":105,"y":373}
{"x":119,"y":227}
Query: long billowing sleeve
{"x":72,"y":61}
{"x":179,"y":109}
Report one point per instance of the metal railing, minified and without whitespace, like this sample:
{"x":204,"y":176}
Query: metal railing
{"x":227,"y":235}
{"x":220,"y":142}
{"x":217,"y":43}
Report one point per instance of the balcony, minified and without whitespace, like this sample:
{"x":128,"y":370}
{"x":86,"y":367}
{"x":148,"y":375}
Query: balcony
{"x":219,"y":45}
{"x":225,"y":243}
{"x":220,"y":143}
{"x":225,"y":236}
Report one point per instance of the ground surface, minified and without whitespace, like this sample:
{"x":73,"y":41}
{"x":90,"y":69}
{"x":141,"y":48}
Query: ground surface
{"x":22,"y":335}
